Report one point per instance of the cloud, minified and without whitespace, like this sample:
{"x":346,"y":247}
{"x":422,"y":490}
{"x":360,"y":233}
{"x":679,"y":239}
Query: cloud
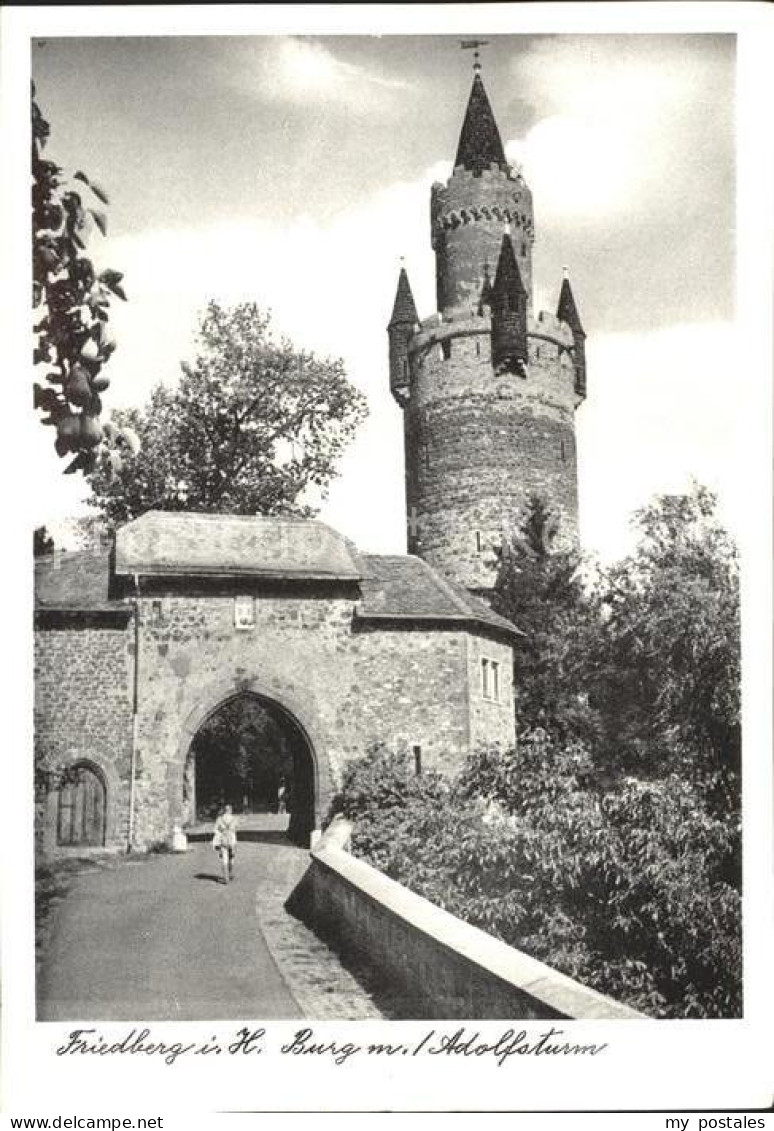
{"x":306,"y":73}
{"x":579,"y":168}
{"x":615,"y":117}
{"x":658,"y":413}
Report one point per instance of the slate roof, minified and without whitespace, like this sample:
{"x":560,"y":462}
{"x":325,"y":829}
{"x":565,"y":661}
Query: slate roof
{"x":404,"y":311}
{"x":185,"y":543}
{"x":480,"y":144}
{"x":567,"y":310}
{"x":405,"y":588}
{"x":508,"y":279}
{"x":395,"y":589}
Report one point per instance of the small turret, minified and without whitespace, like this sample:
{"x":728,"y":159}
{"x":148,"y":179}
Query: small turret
{"x":400,"y":328}
{"x":508,"y":301}
{"x":568,"y":312}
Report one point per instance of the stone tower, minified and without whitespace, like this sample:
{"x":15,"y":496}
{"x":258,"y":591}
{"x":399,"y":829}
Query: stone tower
{"x":488,"y":390}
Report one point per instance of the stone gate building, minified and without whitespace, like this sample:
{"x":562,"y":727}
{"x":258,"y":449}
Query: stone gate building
{"x":137,"y":648}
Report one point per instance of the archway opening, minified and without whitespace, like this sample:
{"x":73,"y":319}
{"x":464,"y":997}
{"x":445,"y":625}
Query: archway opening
{"x":252,"y":754}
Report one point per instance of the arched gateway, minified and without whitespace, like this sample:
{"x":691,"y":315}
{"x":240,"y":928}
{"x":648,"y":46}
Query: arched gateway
{"x":138,"y":651}
{"x":301,"y":762}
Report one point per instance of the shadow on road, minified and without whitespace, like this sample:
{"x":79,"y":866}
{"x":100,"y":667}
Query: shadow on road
{"x":207,"y":876}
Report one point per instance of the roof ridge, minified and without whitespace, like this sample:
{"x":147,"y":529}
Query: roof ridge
{"x":394,"y":557}
{"x":220,"y":516}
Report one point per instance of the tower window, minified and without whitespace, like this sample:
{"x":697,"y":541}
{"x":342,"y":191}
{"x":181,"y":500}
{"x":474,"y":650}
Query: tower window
{"x":446,"y":350}
{"x":564,"y":454}
{"x":523,"y":249}
{"x":490,"y":680}
{"x":479,"y":547}
{"x":478,"y":348}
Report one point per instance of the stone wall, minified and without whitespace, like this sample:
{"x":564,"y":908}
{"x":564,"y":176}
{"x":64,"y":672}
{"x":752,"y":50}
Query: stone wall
{"x":478,"y":443}
{"x":401,"y":691}
{"x":492,"y":718}
{"x":348,"y":687}
{"x":468,"y":217}
{"x":83,"y":713}
{"x":444,"y":967}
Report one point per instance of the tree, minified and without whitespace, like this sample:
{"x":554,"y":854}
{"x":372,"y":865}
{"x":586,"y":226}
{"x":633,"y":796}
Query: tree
{"x":628,"y":879}
{"x":667,"y":681}
{"x":71,"y":309}
{"x":540,"y":589}
{"x":43,"y":543}
{"x":241,"y":752}
{"x":252,"y":424}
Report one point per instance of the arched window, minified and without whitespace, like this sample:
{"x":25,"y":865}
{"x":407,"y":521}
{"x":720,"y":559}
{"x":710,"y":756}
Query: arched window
{"x":82,"y":807}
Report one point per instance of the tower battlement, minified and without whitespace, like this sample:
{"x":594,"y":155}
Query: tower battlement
{"x":488,"y":391}
{"x":439,"y":331}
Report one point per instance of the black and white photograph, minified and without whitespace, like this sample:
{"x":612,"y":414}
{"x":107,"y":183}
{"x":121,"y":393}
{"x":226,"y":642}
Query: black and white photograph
{"x":397,"y":476}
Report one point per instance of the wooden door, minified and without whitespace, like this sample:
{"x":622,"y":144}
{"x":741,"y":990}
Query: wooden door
{"x":82,"y":809}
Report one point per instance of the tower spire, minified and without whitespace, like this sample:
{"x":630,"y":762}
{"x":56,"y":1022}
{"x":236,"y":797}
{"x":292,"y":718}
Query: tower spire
{"x":480,"y":144}
{"x":509,"y":313}
{"x":404,"y":311}
{"x":400,"y":329}
{"x":567,"y":310}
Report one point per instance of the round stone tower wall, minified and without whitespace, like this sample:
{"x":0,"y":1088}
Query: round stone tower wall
{"x":478,"y":444}
{"x":467,"y":218}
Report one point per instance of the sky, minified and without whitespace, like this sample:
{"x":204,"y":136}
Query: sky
{"x":295,"y":171}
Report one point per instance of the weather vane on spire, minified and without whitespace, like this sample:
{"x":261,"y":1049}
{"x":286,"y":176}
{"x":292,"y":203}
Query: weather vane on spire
{"x":473,"y":45}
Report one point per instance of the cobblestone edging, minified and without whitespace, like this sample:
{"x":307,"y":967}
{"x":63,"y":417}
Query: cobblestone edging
{"x":322,"y":987}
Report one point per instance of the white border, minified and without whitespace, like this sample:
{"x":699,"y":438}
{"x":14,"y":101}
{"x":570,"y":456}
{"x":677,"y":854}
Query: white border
{"x":663,"y":1065}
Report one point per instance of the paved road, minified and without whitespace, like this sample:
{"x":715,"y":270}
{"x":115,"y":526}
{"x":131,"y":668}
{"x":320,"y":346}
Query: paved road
{"x":161,"y":939}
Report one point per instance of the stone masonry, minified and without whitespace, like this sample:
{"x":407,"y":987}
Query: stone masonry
{"x":83,"y":710}
{"x":354,"y":651}
{"x":482,"y":436}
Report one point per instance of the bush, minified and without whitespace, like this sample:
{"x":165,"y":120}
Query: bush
{"x":633,"y":890}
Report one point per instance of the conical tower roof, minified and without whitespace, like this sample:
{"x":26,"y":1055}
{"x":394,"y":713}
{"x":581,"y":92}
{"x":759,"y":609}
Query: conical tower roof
{"x":508,"y":277}
{"x":480,"y":143}
{"x":567,"y":310}
{"x":404,"y":311}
